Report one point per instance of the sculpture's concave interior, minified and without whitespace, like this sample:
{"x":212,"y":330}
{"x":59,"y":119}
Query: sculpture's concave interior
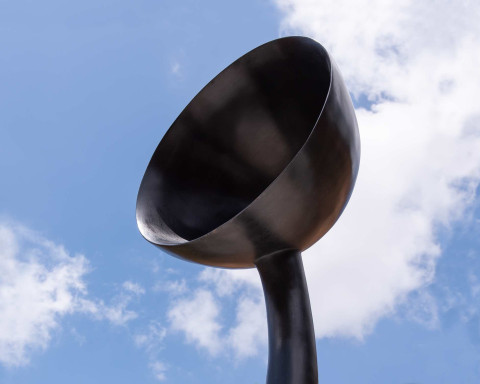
{"x":232,"y":140}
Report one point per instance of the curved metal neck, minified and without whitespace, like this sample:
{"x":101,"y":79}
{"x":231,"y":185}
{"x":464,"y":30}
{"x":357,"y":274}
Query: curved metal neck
{"x":292,"y":354}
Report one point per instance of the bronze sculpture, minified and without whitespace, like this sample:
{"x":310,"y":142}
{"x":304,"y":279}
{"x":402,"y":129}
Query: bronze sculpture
{"x":257,"y":168}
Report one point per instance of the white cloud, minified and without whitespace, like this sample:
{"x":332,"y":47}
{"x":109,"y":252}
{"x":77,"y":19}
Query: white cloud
{"x":378,"y":42}
{"x":417,"y":64}
{"x":226,"y":282}
{"x":38,"y":285}
{"x":249,"y":333}
{"x":40,"y":282}
{"x":197,"y":317}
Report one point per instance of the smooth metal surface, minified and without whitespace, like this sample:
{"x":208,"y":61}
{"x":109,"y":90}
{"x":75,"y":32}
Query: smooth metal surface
{"x":263,"y":158}
{"x":257,"y":168}
{"x":291,"y":340}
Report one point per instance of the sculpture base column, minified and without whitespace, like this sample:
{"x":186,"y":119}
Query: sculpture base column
{"x":292,"y":357}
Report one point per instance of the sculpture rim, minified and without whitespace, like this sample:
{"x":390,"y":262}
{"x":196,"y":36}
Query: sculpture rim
{"x":249,"y":53}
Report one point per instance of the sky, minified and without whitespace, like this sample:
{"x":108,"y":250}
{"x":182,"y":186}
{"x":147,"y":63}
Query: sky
{"x":88,"y":89}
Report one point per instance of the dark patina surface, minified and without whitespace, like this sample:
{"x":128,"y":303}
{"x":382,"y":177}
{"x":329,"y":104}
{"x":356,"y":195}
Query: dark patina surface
{"x":257,"y":168}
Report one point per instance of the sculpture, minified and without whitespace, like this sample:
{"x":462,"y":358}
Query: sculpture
{"x":257,"y":168}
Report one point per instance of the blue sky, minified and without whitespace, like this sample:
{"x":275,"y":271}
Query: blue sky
{"x":87,"y":90}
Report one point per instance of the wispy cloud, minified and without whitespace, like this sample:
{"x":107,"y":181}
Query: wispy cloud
{"x":198,"y":314}
{"x":151,"y":341}
{"x":40,"y":283}
{"x":159,"y":368}
{"x":198,"y":318}
{"x":173,"y":287}
{"x":175,"y":68}
{"x":116,"y":311}
{"x":152,"y":338}
{"x":178,"y":64}
{"x":134,"y":288}
{"x":249,"y":334}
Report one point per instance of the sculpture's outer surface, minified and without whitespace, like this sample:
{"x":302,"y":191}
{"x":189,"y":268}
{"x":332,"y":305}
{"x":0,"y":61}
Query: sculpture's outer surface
{"x":257,"y":168}
{"x":263,"y":158}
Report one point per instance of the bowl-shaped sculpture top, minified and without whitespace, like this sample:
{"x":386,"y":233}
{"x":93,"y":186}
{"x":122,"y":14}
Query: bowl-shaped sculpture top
{"x":263,"y":159}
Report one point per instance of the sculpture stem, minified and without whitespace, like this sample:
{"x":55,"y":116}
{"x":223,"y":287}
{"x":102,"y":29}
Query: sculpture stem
{"x":292,"y":357}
